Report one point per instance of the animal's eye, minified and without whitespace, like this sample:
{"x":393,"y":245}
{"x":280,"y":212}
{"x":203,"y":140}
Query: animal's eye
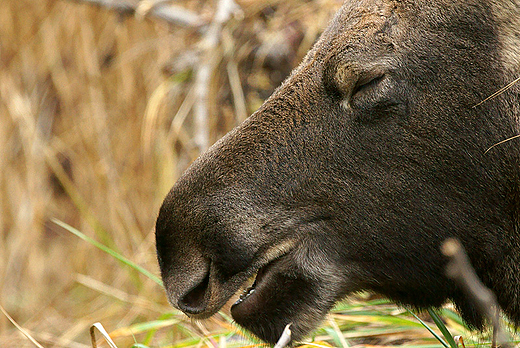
{"x":367,"y":82}
{"x":367,"y":91}
{"x":376,"y":96}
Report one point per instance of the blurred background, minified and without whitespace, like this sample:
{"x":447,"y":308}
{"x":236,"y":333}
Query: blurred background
{"x":101,"y":109}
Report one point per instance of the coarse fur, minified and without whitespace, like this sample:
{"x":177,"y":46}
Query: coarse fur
{"x":356,"y":169}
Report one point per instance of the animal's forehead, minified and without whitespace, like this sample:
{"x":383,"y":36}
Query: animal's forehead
{"x":451,"y":18}
{"x":360,"y":28}
{"x":356,"y":16}
{"x":369,"y":8}
{"x":363,"y":21}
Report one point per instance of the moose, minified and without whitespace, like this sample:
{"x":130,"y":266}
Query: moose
{"x":379,"y":146}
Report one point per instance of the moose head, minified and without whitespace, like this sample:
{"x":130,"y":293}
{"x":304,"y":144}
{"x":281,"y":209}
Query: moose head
{"x":354,"y":171}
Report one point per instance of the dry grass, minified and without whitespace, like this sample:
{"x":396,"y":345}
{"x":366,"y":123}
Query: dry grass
{"x":95,"y":126}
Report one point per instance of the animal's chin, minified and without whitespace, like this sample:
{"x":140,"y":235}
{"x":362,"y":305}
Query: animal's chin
{"x":279,"y":296}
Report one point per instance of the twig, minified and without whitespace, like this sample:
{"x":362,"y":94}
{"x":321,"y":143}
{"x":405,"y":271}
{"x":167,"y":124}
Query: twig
{"x":21,"y":329}
{"x":169,"y":13}
{"x":208,"y":59}
{"x":239,"y":100}
{"x":103,"y":332}
{"x":337,"y":330}
{"x":285,"y":338}
{"x":202,"y":79}
{"x":459,"y":341}
{"x":459,"y":269}
{"x":205,"y":71}
{"x":144,"y":7}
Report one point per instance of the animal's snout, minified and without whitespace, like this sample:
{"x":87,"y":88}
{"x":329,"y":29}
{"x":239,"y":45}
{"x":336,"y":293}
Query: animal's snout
{"x":195,"y":300}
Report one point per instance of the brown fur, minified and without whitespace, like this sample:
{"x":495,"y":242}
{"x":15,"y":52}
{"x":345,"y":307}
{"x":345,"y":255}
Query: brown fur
{"x":355,"y":170}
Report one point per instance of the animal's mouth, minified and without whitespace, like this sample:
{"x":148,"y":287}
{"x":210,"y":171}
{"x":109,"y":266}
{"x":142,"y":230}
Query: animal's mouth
{"x":208,"y":295}
{"x":256,"y":297}
{"x":282,"y":292}
{"x":250,"y":291}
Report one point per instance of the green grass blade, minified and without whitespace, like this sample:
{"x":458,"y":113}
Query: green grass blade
{"x":149,"y":325}
{"x":439,"y":338}
{"x":109,"y":251}
{"x":443,"y":328}
{"x":450,"y":314}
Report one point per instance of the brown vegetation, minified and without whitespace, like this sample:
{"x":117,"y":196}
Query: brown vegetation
{"x":95,"y":126}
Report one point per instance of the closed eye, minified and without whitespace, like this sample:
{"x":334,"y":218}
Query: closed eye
{"x":376,"y":95}
{"x":366,"y":83}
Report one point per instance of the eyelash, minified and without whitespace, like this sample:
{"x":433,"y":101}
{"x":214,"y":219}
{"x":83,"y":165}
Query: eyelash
{"x":362,"y":85}
{"x":366,"y":85}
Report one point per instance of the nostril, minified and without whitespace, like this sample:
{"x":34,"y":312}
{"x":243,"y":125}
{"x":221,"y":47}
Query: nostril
{"x":194,"y":301}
